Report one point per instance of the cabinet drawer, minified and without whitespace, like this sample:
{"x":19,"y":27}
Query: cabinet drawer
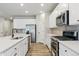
{"x":61,"y":50}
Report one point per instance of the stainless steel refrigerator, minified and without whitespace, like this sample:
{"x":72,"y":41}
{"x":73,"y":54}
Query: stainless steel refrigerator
{"x":31,"y":29}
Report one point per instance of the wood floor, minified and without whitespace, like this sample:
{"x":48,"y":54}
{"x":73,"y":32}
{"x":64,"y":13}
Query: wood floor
{"x":38,"y":49}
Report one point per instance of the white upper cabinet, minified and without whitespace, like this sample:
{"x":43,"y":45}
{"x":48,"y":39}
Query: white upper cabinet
{"x":52,"y":20}
{"x":21,"y":23}
{"x":73,"y":13}
{"x":61,"y":8}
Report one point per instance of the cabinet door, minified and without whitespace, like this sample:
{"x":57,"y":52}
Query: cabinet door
{"x":52,"y":20}
{"x":26,"y":44}
{"x":62,"y":7}
{"x":21,"y":48}
{"x":61,"y":50}
{"x":18,"y":48}
{"x":73,"y":13}
{"x":64,"y":51}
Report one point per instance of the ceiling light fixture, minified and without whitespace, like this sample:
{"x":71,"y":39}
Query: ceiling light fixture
{"x":21,"y":4}
{"x":42,"y":4}
{"x":26,"y":11}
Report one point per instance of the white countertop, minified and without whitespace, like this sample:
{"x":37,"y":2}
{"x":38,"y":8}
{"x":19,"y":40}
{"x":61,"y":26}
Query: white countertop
{"x":73,"y":45}
{"x":6,"y":42}
{"x":20,"y":35}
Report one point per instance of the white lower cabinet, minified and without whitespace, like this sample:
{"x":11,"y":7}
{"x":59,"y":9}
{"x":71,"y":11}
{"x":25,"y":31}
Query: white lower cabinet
{"x":20,"y":49}
{"x":64,"y":51}
{"x":23,"y":48}
{"x":10,"y":52}
{"x":26,"y":45}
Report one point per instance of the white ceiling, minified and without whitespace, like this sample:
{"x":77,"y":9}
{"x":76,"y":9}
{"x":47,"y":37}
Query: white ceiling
{"x":14,"y":9}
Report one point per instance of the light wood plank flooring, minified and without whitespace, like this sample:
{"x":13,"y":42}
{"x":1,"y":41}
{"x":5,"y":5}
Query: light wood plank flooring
{"x":38,"y":49}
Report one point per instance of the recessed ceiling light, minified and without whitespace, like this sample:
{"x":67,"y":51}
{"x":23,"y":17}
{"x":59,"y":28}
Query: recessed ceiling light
{"x":21,"y":4}
{"x":42,"y":4}
{"x":26,"y":11}
{"x":41,"y":11}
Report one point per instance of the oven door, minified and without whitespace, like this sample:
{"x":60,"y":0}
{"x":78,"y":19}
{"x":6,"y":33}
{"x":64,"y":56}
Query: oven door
{"x":55,"y":48}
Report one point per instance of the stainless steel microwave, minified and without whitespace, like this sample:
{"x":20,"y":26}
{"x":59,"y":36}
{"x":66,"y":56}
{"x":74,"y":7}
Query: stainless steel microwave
{"x":63,"y":19}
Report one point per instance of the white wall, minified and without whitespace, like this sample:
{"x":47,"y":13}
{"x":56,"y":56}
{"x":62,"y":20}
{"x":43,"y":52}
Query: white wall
{"x":5,"y":27}
{"x":1,"y":26}
{"x":42,"y":28}
{"x":21,"y":23}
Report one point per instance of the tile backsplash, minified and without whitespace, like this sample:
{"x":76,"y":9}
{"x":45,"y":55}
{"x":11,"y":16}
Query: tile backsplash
{"x":72,"y":28}
{"x":59,"y":30}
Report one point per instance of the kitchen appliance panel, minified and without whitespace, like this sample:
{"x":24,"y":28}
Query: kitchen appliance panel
{"x":63,"y":19}
{"x":32,"y":30}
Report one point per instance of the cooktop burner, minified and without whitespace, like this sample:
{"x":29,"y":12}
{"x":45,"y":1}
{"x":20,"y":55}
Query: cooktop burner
{"x":63,"y":38}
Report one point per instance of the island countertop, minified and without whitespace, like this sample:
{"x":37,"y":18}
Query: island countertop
{"x":7,"y":42}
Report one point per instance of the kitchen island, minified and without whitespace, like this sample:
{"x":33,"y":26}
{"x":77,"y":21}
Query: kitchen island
{"x":13,"y":47}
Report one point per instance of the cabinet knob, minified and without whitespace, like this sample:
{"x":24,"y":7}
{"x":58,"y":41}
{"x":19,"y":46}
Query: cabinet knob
{"x":65,"y":50}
